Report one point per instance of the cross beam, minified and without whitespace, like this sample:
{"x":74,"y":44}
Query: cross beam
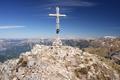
{"x":57,"y":15}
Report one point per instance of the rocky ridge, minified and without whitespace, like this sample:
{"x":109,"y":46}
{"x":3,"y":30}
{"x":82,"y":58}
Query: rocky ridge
{"x":57,"y":63}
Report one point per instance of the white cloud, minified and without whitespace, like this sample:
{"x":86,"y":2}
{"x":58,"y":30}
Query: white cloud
{"x":11,"y":27}
{"x":73,"y":3}
{"x":78,"y":3}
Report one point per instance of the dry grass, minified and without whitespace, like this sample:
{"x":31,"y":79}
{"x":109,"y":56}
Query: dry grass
{"x":111,"y":64}
{"x":99,"y":51}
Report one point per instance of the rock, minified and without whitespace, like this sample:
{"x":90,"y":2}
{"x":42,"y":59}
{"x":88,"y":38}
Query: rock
{"x":57,"y":63}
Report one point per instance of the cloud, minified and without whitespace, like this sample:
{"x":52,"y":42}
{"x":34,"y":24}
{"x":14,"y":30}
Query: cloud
{"x":11,"y":27}
{"x":73,"y":3}
{"x":78,"y":3}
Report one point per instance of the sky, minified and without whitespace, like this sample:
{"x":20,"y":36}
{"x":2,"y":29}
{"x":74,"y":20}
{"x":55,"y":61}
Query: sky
{"x":85,"y":18}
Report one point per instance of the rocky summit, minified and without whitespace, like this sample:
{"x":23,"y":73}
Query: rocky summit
{"x":57,"y":63}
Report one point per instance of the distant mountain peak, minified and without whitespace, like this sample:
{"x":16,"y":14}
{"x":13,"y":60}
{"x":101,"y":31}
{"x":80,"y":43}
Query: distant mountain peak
{"x":109,"y":37}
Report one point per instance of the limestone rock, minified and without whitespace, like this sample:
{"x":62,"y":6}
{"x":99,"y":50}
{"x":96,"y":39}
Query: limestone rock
{"x":57,"y":63}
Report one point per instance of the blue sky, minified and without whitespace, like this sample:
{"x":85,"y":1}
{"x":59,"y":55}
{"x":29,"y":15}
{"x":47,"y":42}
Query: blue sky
{"x":85,"y":18}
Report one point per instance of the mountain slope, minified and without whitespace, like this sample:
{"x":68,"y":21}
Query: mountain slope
{"x":57,"y":63}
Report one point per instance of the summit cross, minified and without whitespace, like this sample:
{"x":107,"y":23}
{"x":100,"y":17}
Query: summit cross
{"x":57,"y":15}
